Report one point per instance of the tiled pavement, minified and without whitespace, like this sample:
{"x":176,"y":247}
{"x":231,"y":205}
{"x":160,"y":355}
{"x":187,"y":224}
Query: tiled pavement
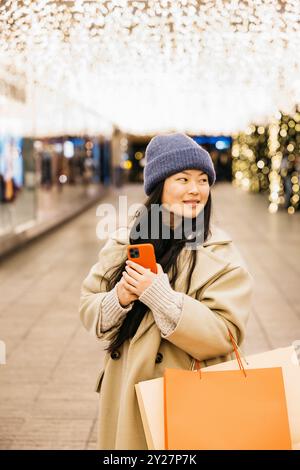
{"x":46,"y":387}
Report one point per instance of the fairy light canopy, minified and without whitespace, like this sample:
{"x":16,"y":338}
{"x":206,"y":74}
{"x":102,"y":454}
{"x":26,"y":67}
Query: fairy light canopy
{"x":199,"y":66}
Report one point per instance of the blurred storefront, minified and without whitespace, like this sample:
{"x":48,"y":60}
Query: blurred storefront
{"x":45,"y":181}
{"x":219,"y":148}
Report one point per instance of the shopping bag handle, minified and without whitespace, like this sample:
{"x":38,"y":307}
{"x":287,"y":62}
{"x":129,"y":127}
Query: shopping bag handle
{"x":238,"y":357}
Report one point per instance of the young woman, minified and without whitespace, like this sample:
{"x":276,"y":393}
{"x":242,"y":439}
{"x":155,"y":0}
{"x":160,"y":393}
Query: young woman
{"x":169,"y":319}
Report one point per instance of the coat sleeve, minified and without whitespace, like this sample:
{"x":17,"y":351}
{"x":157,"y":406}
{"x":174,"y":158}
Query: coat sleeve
{"x":93,"y":291}
{"x":202,"y":330}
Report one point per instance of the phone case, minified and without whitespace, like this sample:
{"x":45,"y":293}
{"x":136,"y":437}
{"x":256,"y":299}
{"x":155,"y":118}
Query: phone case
{"x":145,"y":255}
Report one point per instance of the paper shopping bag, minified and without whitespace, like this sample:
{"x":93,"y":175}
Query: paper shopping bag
{"x":226,"y":410}
{"x":151,"y":404}
{"x":150,"y":394}
{"x":287,"y":359}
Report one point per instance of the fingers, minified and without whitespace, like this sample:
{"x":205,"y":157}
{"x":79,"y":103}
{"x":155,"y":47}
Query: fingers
{"x":131,"y":289}
{"x":133,"y":274}
{"x":130,"y":280}
{"x":124,"y":284}
{"x":128,"y":287}
{"x":140,"y":269}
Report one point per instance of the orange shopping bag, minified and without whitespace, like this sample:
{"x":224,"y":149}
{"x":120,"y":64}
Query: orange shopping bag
{"x":230,"y":409}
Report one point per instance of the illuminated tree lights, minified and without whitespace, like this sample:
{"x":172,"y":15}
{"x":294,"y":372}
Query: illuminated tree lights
{"x":251,"y":161}
{"x":267,"y":159}
{"x":289,"y":150}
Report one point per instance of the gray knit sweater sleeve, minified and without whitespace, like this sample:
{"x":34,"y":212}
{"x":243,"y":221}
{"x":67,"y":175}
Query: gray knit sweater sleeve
{"x":164,"y":302}
{"x":112,"y":312}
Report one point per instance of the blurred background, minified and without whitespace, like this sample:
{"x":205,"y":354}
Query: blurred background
{"x":84,"y":86}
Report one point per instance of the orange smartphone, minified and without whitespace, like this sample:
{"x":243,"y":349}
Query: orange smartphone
{"x":143,"y":254}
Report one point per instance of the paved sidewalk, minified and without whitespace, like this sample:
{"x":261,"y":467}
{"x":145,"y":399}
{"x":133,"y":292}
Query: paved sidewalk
{"x":46,"y":387}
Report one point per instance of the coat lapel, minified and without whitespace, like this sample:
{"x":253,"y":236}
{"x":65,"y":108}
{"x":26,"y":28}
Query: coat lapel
{"x":208,"y":264}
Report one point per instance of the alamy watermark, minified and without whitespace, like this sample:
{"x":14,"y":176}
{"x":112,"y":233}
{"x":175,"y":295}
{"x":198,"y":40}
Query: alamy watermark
{"x":159,"y":221}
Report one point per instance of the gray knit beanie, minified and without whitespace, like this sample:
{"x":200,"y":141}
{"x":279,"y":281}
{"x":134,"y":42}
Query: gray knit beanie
{"x":171,"y":153}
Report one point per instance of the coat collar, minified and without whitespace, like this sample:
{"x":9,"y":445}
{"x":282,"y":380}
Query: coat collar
{"x":208,"y":265}
{"x":218,"y":237}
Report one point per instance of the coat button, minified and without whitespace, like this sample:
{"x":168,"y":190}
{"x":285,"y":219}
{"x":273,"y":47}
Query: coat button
{"x":159,"y":358}
{"x":115,"y":355}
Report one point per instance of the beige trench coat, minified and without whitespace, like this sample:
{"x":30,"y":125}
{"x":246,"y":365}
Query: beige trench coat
{"x":219,"y":297}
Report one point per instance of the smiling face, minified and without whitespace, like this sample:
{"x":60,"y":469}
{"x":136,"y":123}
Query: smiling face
{"x":186,"y":193}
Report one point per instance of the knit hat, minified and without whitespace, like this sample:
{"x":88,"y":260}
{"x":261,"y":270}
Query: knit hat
{"x":171,"y":153}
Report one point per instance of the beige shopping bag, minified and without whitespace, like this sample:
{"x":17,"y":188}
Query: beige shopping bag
{"x":150,"y":395}
{"x":151,"y":404}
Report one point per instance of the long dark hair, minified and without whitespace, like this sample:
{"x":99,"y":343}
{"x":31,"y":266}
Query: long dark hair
{"x":166,"y":252}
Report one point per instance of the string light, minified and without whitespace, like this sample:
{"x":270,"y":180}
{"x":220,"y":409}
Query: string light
{"x":251,"y":162}
{"x":279,"y":169}
{"x":290,"y":164}
{"x":275,"y":187}
{"x":149,"y":66}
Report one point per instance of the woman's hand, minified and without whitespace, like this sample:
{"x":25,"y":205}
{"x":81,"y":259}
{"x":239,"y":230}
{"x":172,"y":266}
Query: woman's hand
{"x":124,"y":295}
{"x":137,"y":278}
